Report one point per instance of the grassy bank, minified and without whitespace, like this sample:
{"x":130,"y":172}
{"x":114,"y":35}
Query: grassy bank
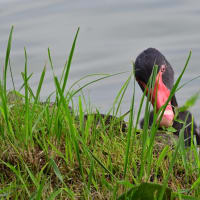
{"x":53,"y":151}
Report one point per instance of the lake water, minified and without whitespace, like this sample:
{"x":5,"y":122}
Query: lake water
{"x":112,"y":33}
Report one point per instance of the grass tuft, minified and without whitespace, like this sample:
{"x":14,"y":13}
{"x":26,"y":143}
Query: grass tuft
{"x":53,"y":150}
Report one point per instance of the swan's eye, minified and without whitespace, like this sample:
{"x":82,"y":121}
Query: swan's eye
{"x":163,"y":68}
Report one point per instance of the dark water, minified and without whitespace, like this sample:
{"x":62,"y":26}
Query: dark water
{"x":112,"y":34}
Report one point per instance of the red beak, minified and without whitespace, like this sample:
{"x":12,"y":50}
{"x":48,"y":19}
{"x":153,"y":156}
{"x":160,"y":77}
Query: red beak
{"x":162,"y":95}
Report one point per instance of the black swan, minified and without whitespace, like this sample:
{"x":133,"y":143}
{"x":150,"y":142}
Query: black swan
{"x":165,"y":79}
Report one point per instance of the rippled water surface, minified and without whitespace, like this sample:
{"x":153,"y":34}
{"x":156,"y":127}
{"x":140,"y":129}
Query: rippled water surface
{"x":112,"y":34}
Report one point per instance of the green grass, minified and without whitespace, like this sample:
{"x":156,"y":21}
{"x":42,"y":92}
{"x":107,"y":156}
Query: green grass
{"x":51,"y":151}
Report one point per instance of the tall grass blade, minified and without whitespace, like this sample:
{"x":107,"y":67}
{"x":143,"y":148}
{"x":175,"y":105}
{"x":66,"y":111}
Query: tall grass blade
{"x":121,"y":94}
{"x":33,"y":178}
{"x":75,"y":135}
{"x":160,"y":113}
{"x":26,"y":100}
{"x":180,"y":140}
{"x":55,"y":194}
{"x":161,"y":157}
{"x":40,"y":85}
{"x":130,"y":126}
{"x":69,"y":61}
{"x":90,"y":174}
{"x":39,"y":191}
{"x":81,"y":116}
{"x":22,"y":74}
{"x":50,"y":60}
{"x":94,"y":81}
{"x":56,"y":170}
{"x":162,"y":109}
{"x":70,"y":122}
{"x":145,"y":136}
{"x":7,"y":59}
{"x":184,"y":84}
{"x":18,"y":174}
{"x":12,"y":78}
{"x":195,"y":184}
{"x":4,"y":104}
{"x":190,"y":102}
{"x":85,"y":77}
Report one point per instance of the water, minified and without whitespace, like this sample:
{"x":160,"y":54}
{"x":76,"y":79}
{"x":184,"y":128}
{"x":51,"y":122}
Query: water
{"x":112,"y":34}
